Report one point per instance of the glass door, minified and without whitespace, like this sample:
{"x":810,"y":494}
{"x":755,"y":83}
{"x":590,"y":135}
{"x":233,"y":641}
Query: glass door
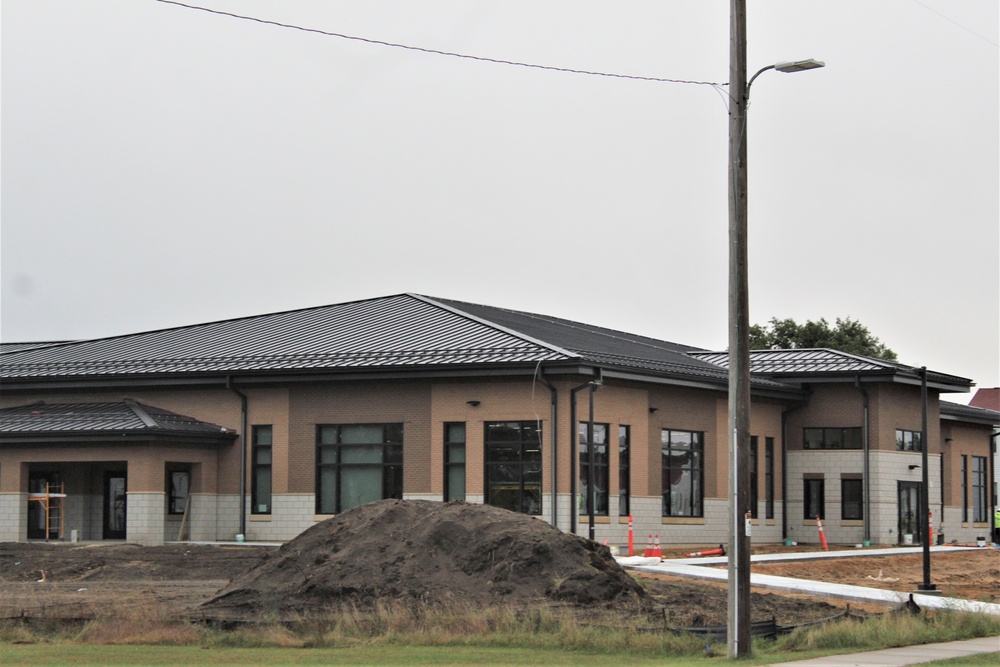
{"x":114,"y":505}
{"x":911,"y":528}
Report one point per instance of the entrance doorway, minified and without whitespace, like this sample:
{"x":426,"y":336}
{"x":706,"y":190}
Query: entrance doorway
{"x":43,"y":525}
{"x":114,"y":505}
{"x":909,"y":513}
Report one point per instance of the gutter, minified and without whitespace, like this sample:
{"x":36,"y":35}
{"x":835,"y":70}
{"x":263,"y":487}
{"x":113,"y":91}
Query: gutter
{"x":243,"y":453}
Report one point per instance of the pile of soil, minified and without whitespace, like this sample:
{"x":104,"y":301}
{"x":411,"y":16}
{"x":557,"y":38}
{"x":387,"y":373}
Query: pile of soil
{"x":428,"y":552}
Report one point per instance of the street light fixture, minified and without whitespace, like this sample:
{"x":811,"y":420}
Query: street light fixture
{"x":738,"y":620}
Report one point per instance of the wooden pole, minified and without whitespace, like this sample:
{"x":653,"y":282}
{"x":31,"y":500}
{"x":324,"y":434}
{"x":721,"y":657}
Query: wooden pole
{"x":738,"y":620}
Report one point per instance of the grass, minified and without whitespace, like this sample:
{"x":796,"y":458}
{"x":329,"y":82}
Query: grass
{"x":397,"y":634}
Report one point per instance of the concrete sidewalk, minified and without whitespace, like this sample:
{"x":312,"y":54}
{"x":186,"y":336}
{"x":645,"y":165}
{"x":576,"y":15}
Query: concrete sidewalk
{"x":907,"y":655}
{"x":713,"y":568}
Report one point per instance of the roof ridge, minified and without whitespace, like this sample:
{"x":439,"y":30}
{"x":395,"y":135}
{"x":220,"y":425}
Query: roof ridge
{"x":649,"y":341}
{"x":523,"y":336}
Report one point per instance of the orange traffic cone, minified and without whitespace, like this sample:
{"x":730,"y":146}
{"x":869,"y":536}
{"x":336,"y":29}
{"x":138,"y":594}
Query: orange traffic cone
{"x":822,"y":535}
{"x":721,"y":551}
{"x":656,"y":547}
{"x":648,"y":553}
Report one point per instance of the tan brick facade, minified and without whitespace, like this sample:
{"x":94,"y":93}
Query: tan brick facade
{"x":424,"y":406}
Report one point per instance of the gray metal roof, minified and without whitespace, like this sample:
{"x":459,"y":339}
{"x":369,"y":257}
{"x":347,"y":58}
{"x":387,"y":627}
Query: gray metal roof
{"x":125,"y":417}
{"x":18,"y":347}
{"x":959,"y":412}
{"x":805,"y":363}
{"x":397,"y":331}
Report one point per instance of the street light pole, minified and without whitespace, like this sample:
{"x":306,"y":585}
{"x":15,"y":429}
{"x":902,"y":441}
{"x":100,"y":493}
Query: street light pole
{"x":738,"y":607}
{"x":738,"y":617}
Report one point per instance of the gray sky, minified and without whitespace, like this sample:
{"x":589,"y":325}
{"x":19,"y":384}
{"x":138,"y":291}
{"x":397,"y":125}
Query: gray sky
{"x":163,"y":166}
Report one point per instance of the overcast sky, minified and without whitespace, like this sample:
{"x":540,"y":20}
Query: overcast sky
{"x":163,"y":166}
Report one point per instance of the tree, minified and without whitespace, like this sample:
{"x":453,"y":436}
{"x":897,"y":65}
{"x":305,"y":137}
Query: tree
{"x":847,"y":336}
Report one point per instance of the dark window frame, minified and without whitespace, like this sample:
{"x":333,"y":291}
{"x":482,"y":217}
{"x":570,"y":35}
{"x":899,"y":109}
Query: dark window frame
{"x":808,"y":511}
{"x":965,"y":488}
{"x":175,"y":506}
{"x":261,"y":446}
{"x":450,"y":446}
{"x":908,"y":441}
{"x":391,"y":462}
{"x":694,"y":453}
{"x":980,"y":497}
{"x":602,"y":468}
{"x":832,"y":437}
{"x":527,"y":497}
{"x":769,"y":478}
{"x":624,"y":465}
{"x":855,"y":509}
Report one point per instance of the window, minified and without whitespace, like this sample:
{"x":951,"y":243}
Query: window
{"x":514,"y":465}
{"x":681,"y":461}
{"x":908,"y":441}
{"x":180,"y":487}
{"x":454,"y":461}
{"x":979,"y":499}
{"x":357,"y":464}
{"x":754,"y":495}
{"x":813,"y":499}
{"x":831,"y":438}
{"x":260,"y":481}
{"x":600,"y":469}
{"x":965,"y":488}
{"x":851,"y":499}
{"x":624,"y":487}
{"x":769,"y":478}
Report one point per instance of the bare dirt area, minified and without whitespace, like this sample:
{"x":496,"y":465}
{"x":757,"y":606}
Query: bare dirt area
{"x":966,"y":574}
{"x":408,"y":552}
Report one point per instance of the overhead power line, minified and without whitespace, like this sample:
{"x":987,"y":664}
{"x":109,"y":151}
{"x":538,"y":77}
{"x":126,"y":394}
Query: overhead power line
{"x":963,"y":27}
{"x":438,"y":52}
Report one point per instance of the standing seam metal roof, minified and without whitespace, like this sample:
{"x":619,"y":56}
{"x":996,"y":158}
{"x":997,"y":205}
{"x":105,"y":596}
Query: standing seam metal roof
{"x":402,"y":330}
{"x":79,"y":418}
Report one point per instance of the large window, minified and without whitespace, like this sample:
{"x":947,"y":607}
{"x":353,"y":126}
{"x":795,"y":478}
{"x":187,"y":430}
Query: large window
{"x":852,"y":499}
{"x":979,"y":498}
{"x":814,"y":499}
{"x":831,"y":438}
{"x":180,"y":489}
{"x":769,"y":478}
{"x":600,"y":469}
{"x":682,"y":472}
{"x":514,"y":465}
{"x":908,"y":441}
{"x":754,"y":494}
{"x":624,"y":485}
{"x":260,"y":482}
{"x":454,"y":461}
{"x":357,"y":464}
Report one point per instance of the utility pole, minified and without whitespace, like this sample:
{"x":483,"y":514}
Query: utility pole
{"x":738,"y":619}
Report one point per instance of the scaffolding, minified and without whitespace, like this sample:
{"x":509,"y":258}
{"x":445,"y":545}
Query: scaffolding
{"x":52,"y":504}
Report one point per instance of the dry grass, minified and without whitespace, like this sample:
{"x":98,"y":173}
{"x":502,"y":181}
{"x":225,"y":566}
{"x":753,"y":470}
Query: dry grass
{"x":461,"y":625}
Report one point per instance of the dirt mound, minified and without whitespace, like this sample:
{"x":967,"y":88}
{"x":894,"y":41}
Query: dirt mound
{"x":432,"y":552}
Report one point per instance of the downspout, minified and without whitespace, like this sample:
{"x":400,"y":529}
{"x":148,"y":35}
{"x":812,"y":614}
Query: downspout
{"x":243,"y":453}
{"x":574,"y":447}
{"x":555,"y":449}
{"x":865,"y":455}
{"x":591,"y":485}
{"x":784,"y":477}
